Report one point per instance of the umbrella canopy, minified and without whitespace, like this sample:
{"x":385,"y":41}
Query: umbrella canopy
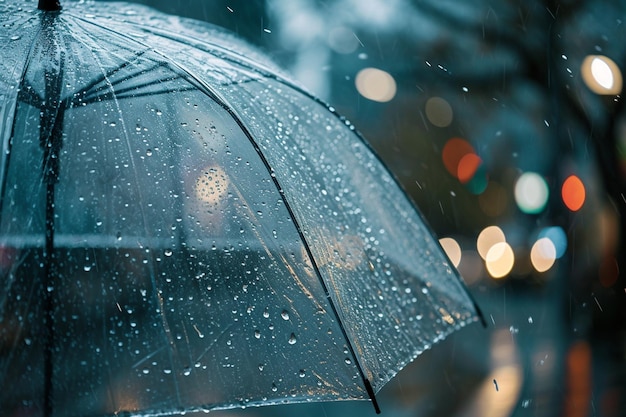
{"x":183,"y":228}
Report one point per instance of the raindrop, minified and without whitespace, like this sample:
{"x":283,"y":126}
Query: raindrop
{"x":149,"y":152}
{"x":274,"y":389}
{"x":146,"y":371}
{"x":167,"y":371}
{"x":168,"y":252}
{"x":348,"y":361}
{"x":87,"y":268}
{"x":285,"y":315}
{"x":530,"y":320}
{"x":292,"y":339}
{"x":526,"y":403}
{"x":302,"y":373}
{"x":187,"y":371}
{"x":257,"y":334}
{"x":15,"y":37}
{"x":261,"y":367}
{"x":266,"y":314}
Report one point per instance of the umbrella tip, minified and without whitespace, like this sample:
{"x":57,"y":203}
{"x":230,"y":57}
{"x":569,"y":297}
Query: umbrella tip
{"x":49,"y":5}
{"x":372,"y":395}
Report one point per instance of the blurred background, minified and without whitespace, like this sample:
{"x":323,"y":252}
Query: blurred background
{"x":503,"y":120}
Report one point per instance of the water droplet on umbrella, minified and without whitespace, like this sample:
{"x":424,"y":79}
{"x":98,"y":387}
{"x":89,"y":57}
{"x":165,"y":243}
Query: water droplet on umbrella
{"x":257,"y":334}
{"x":274,"y":389}
{"x":168,"y":252}
{"x":266,"y":314}
{"x":87,"y":268}
{"x":292,"y":339}
{"x":302,"y":373}
{"x":167,"y":371}
{"x":15,"y":37}
{"x":149,"y":152}
{"x":285,"y":315}
{"x":187,"y":371}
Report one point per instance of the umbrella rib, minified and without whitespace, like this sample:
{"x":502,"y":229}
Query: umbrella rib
{"x":4,"y":173}
{"x":188,"y":76}
{"x":106,"y":75}
{"x":223,"y":103}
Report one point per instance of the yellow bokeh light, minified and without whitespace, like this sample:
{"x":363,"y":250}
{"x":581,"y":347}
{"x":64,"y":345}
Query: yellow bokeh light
{"x":543,"y":254}
{"x":487,"y":238}
{"x":499,"y":260}
{"x":452,"y":249}
{"x":376,"y":84}
{"x":211,"y":186}
{"x":602,"y":75}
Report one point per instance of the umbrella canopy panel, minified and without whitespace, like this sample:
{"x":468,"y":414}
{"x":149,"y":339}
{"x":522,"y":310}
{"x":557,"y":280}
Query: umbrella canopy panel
{"x":221,"y":238}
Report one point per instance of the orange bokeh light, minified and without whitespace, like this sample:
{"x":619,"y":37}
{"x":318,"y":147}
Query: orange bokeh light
{"x":573,"y":193}
{"x":468,"y":165}
{"x":460,"y":159}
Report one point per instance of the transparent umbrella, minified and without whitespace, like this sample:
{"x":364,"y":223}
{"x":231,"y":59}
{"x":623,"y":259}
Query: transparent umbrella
{"x":182,"y":228}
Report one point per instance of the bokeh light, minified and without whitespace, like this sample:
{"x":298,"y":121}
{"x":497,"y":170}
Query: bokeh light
{"x":462,"y":162}
{"x":452,"y":249}
{"x":439,"y":112}
{"x":602,"y":75}
{"x":558,"y":237}
{"x":573,"y":193}
{"x":468,"y":165}
{"x":487,"y":238}
{"x":212,"y":185}
{"x":500,"y":260}
{"x":342,"y":40}
{"x":543,"y":254}
{"x":531,"y":193}
{"x":376,"y":85}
